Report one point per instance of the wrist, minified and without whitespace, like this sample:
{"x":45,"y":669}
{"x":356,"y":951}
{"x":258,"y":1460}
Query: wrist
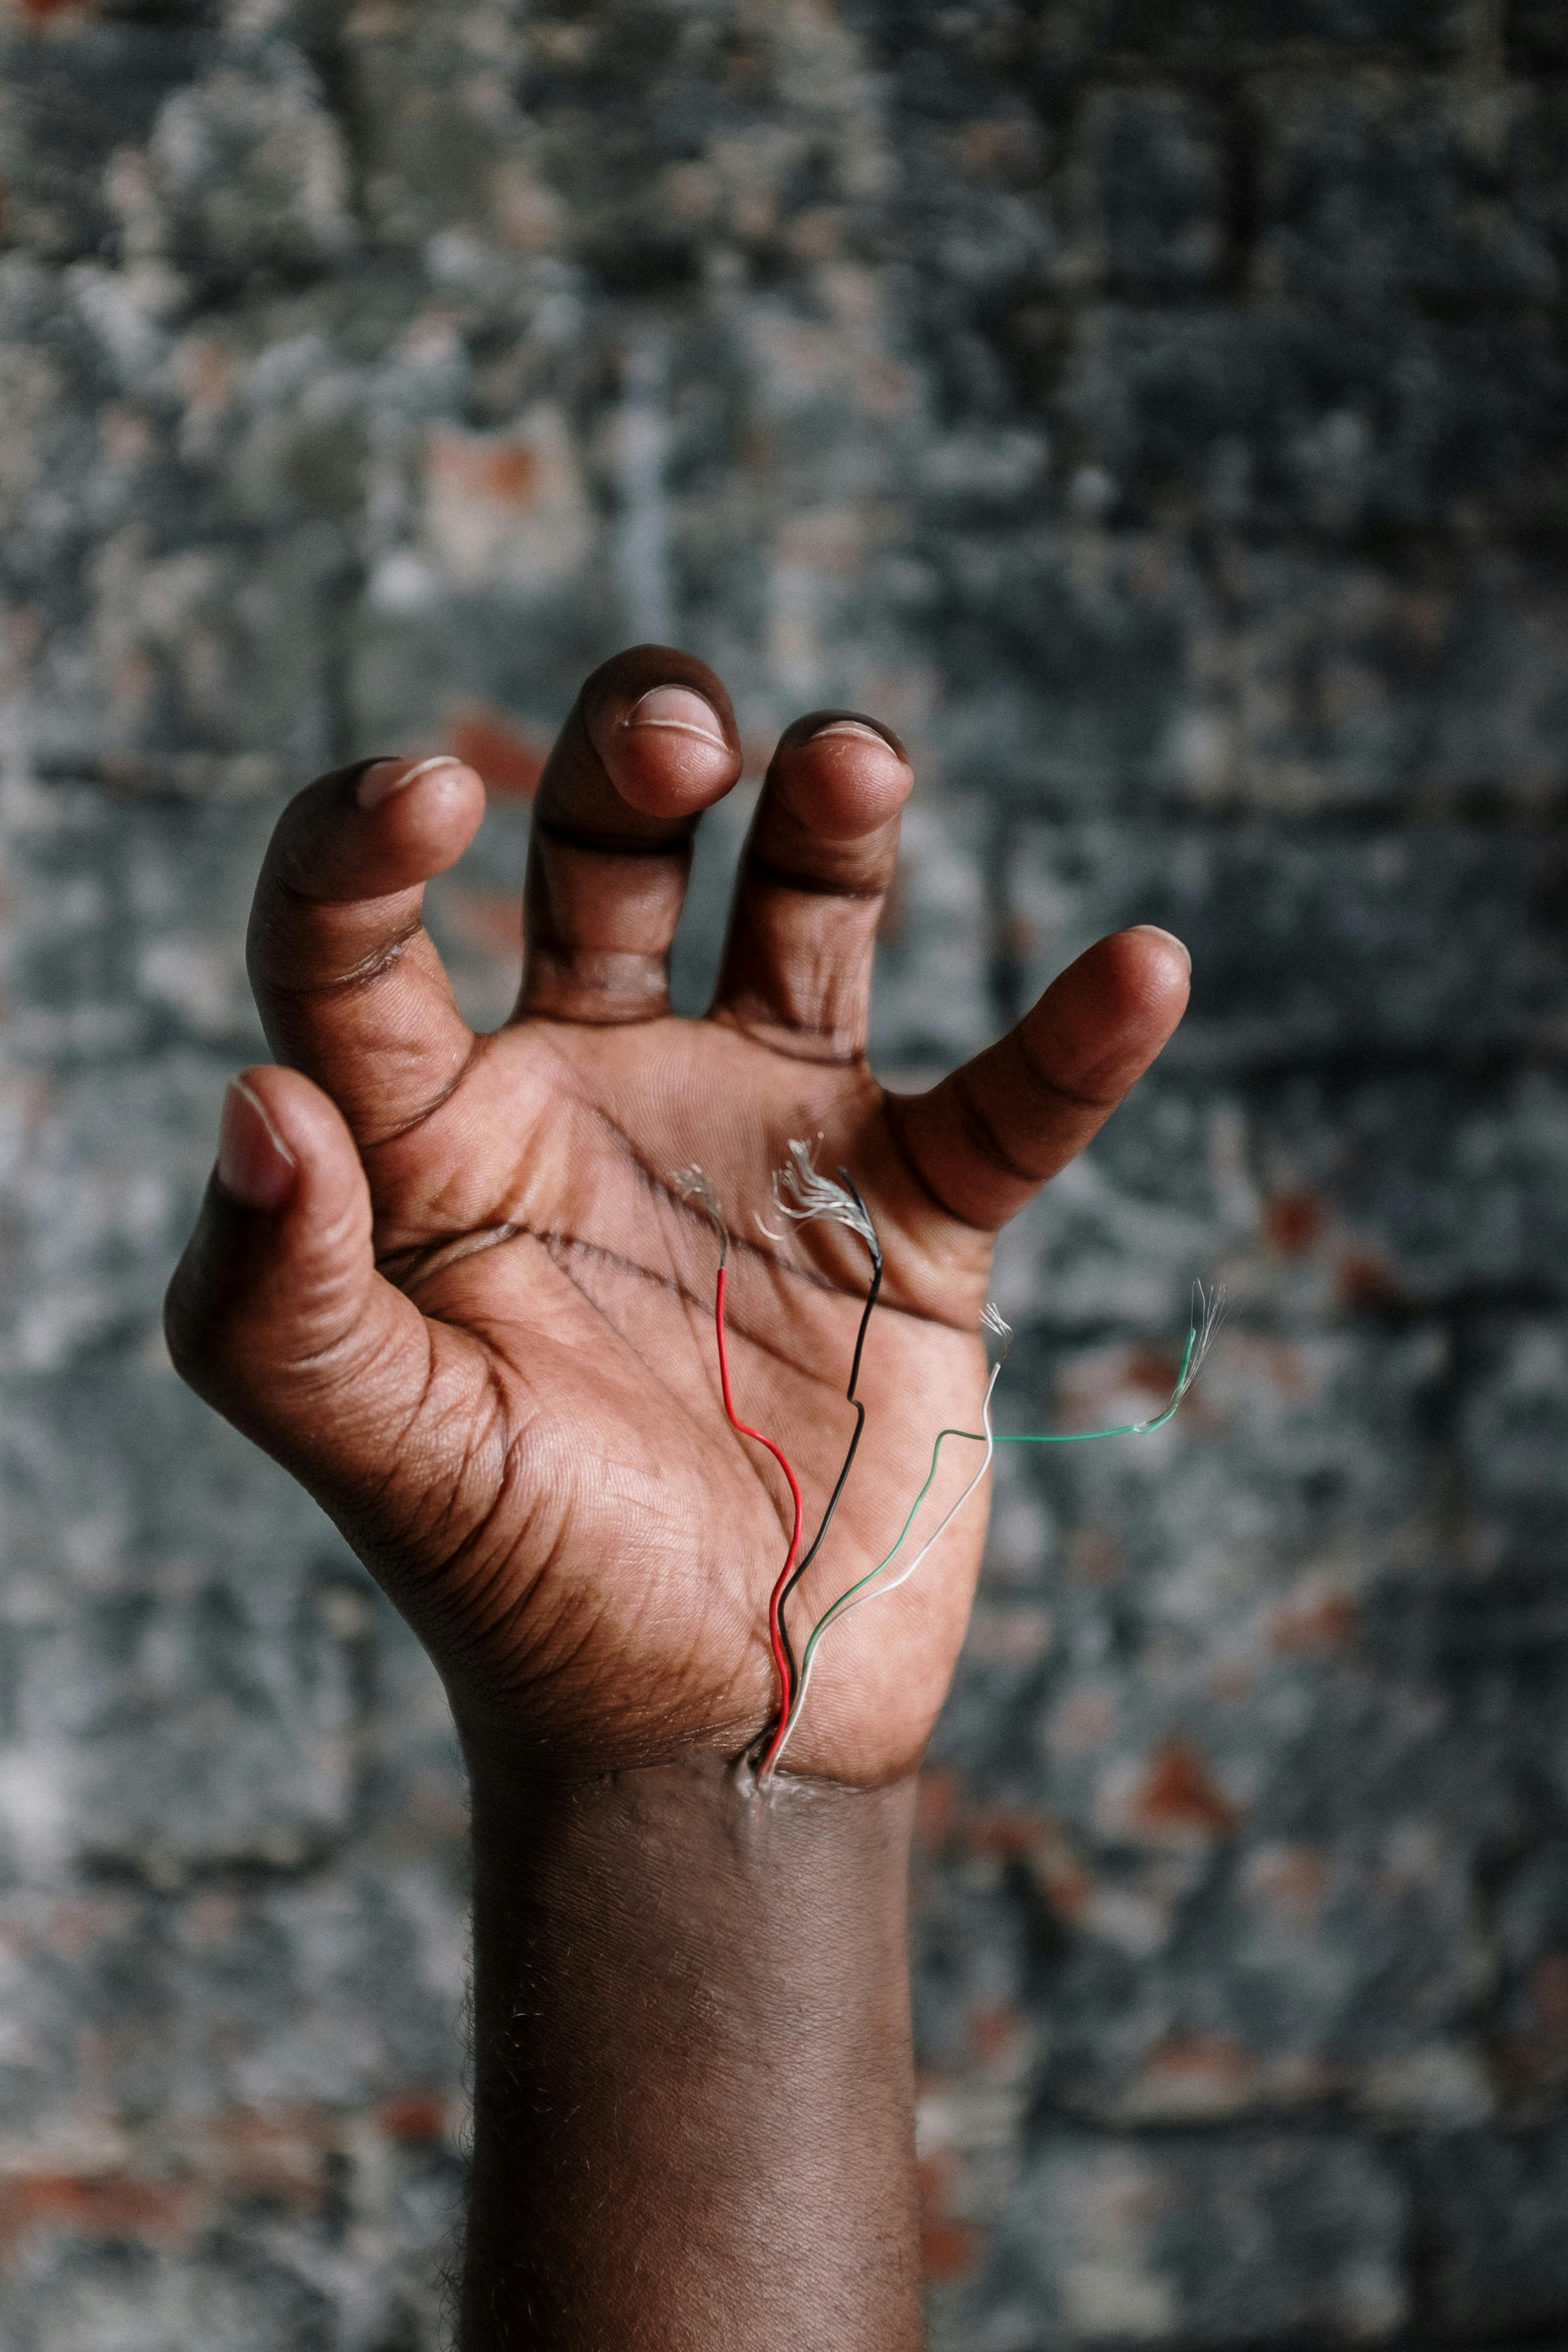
{"x":691,"y":2014}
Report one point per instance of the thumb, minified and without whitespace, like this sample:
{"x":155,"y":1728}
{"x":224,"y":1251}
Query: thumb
{"x":277,"y":1315}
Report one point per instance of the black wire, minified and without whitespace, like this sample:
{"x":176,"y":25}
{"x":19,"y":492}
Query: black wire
{"x":875,"y":1246}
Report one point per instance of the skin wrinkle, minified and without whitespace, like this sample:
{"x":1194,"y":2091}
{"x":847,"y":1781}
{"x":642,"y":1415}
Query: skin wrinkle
{"x":446,"y":1514}
{"x":811,"y":885}
{"x":1041,"y":1077}
{"x":489,"y":1565}
{"x":369,"y":969}
{"x":912,"y":1168}
{"x":426,"y":1390}
{"x":732,"y":1015}
{"x":593,"y":1305}
{"x":614,"y":844}
{"x":660,"y":1189}
{"x":510,"y":1437}
{"x":433,"y":1258}
{"x":314,"y":1363}
{"x":737,"y":1331}
{"x":553,"y":1237}
{"x":561,"y":1247}
{"x":621,"y":988}
{"x":890,"y":1302}
{"x":584,"y":1613}
{"x":982,"y":1133}
{"x":606,"y":1020}
{"x":547,"y":1663}
{"x":577,"y":1099}
{"x":474,"y":1595}
{"x":470,"y":1062}
{"x":734,"y":1327}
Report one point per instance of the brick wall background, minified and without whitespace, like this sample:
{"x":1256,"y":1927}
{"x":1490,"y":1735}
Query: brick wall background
{"x":1155,"y":408}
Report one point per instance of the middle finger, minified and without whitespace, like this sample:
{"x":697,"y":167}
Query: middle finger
{"x":796,"y":972}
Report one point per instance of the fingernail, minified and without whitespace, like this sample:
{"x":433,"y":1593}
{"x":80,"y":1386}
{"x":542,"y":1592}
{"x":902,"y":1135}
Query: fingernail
{"x":382,"y":778}
{"x":255,"y":1166}
{"x":681,"y":710}
{"x":1170,"y":938}
{"x":860,"y":731}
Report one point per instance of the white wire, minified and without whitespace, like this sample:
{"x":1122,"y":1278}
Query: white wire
{"x":879,"y":1591}
{"x":1208,"y":1311}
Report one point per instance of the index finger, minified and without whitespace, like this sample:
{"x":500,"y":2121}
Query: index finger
{"x":349,"y":984}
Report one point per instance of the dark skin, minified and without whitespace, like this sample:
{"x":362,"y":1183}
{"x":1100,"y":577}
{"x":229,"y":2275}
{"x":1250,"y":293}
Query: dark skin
{"x":447,"y":1281}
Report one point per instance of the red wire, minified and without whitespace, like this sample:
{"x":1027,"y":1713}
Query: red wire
{"x":774,"y":1635}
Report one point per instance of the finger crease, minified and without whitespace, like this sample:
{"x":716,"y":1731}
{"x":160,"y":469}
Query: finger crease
{"x":614,"y":844}
{"x":1039,"y":1076}
{"x":559,"y":1246}
{"x":765,"y":1034}
{"x":597,"y":1020}
{"x":395,"y":1134}
{"x":360,"y":975}
{"x":429,"y":1260}
{"x":811,"y":885}
{"x":980,"y":1131}
{"x":410,"y":1268}
{"x":917,"y":1176}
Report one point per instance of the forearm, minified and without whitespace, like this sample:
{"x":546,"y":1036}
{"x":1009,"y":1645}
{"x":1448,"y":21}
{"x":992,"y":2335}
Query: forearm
{"x":693,"y":2084}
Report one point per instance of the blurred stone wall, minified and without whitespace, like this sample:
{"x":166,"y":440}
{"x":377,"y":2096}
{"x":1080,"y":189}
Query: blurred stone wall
{"x":1155,"y":408}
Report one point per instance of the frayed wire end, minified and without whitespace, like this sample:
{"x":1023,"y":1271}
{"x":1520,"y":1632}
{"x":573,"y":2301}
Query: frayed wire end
{"x":813,"y":1197}
{"x":1208,"y":1314}
{"x":992,"y":1319}
{"x":696,"y":1185}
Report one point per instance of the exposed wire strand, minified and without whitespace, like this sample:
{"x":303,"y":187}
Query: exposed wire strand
{"x":812,"y":1195}
{"x":775,"y":1628}
{"x":694,"y":1185}
{"x":856,"y":1595}
{"x":1208,"y":1309}
{"x":816,"y":1198}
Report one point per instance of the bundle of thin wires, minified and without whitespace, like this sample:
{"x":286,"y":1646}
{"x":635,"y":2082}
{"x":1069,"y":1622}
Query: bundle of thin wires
{"x":811,"y":1198}
{"x":1207,"y":1311}
{"x":805,"y":1196}
{"x":694,"y":1185}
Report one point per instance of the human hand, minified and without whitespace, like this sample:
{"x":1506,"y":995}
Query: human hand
{"x":448,"y":1282}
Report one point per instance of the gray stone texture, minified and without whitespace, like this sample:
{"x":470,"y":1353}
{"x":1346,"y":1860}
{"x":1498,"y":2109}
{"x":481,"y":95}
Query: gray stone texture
{"x":1155,"y":409}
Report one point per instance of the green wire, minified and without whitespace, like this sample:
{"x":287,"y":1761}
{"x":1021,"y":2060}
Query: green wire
{"x":1084,"y":1436}
{"x":1049,"y":1437}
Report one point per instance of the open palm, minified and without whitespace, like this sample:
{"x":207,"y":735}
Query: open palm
{"x":452,"y":1284}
